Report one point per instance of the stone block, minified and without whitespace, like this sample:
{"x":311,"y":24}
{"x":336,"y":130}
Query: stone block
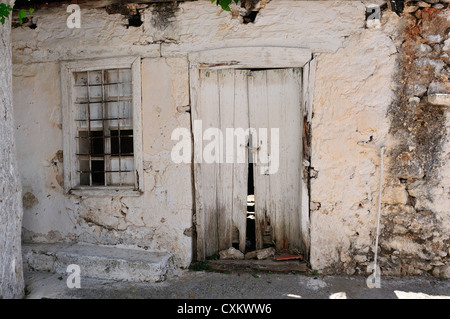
{"x":231,"y":253}
{"x":101,"y":262}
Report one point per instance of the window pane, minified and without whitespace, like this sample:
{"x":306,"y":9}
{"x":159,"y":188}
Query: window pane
{"x":111,"y":92}
{"x":127,"y":166}
{"x":111,"y":76}
{"x":126,"y":109}
{"x":81,"y":78}
{"x":95,"y":94}
{"x":95,"y":77}
{"x":125,"y":75}
{"x":92,"y":144}
{"x":81,"y":115}
{"x":113,"y":178}
{"x":97,"y":143}
{"x":112,"y":110}
{"x":98,"y":172}
{"x":96,"y":112}
{"x":122,"y":145}
{"x":123,"y":169}
{"x":126,"y":113}
{"x":84,"y":172}
{"x":126,"y":90}
{"x":83,"y":144}
{"x":81,"y":94}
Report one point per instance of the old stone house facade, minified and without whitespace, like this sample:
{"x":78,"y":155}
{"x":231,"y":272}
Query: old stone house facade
{"x":357,"y":84}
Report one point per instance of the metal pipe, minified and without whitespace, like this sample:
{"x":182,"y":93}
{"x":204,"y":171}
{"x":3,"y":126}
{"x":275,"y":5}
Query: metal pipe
{"x":373,"y":281}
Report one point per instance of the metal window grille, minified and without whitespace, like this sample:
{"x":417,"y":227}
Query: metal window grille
{"x":104,"y":122}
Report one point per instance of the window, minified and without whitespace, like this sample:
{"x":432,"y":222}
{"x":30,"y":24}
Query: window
{"x":102,"y":125}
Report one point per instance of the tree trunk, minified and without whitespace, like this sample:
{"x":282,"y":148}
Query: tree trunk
{"x":11,"y":272}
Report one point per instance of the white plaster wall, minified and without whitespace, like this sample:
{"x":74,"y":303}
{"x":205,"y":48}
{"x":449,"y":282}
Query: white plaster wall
{"x":319,"y":25}
{"x":353,"y":91}
{"x":38,"y":120}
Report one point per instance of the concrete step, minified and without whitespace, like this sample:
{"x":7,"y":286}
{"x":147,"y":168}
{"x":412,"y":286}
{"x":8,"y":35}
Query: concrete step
{"x":101,"y":262}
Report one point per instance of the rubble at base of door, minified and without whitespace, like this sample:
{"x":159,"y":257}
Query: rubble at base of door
{"x":233,"y":253}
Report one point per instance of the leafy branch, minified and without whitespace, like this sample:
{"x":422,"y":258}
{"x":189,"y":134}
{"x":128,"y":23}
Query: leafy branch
{"x":5,"y":10}
{"x":225,"y":4}
{"x":23,"y":14}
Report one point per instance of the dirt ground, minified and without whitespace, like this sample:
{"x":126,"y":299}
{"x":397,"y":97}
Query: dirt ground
{"x":213,"y":285}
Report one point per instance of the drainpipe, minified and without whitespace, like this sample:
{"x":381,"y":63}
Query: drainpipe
{"x":374,"y":281}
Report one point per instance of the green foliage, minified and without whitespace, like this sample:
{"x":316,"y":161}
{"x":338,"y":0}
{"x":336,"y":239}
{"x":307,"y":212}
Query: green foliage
{"x":213,"y":257}
{"x":5,"y":10}
{"x":204,"y":265}
{"x":225,"y":4}
{"x":23,"y":14}
{"x":201,"y":266}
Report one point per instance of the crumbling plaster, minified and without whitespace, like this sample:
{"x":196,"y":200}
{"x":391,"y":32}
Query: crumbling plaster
{"x":349,"y":126}
{"x":356,"y":85}
{"x":155,"y":220}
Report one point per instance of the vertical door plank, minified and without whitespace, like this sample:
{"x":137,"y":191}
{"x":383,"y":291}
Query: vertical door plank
{"x":277,"y":120}
{"x":225,"y":167}
{"x":286,"y":109}
{"x":209,"y":101}
{"x":292,"y":91}
{"x":195,"y":91}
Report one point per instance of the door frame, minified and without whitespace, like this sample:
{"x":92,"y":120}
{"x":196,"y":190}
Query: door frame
{"x":255,"y":58}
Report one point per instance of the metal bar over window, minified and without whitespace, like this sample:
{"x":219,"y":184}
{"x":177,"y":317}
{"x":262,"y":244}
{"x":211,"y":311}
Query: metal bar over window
{"x":104,"y":127}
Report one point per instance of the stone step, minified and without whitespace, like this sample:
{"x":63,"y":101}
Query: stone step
{"x":101,"y":262}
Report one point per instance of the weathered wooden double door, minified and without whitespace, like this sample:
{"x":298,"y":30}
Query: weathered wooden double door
{"x":265,"y":105}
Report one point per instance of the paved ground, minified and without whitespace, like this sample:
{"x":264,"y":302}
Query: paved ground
{"x":211,"y":285}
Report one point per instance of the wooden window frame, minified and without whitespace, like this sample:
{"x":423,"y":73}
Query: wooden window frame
{"x":68,"y":68}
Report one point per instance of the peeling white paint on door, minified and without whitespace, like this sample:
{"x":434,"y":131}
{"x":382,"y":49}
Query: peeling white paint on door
{"x":255,"y":102}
